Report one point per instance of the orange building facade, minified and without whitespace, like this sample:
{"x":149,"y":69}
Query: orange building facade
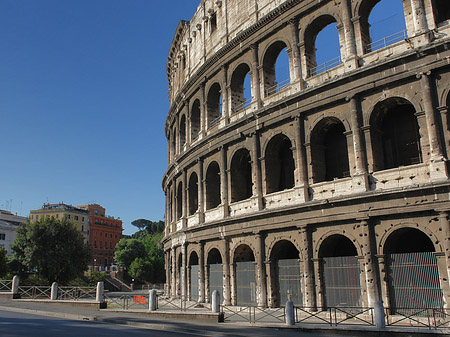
{"x":105,"y":233}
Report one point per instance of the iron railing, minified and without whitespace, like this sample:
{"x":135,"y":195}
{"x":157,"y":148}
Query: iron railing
{"x":125,"y":302}
{"x":386,"y":41}
{"x":35,"y":292}
{"x":6,"y":286}
{"x":241,"y":106}
{"x":431,"y":318}
{"x":253,"y":314}
{"x":277,"y":87}
{"x":76,"y":293}
{"x":325,"y":66}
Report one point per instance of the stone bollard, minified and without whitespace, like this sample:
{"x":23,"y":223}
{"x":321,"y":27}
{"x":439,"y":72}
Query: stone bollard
{"x":99,"y":294}
{"x":290,"y":318}
{"x":152,"y":300}
{"x":215,"y":302}
{"x":15,"y":285}
{"x":54,"y":293}
{"x":380,"y":319}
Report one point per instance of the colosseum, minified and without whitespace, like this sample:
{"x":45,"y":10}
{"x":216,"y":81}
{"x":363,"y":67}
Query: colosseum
{"x":330,"y":185}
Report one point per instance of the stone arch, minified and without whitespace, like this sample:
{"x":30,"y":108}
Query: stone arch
{"x":309,"y":37}
{"x":241,"y":175}
{"x":212,"y":184}
{"x":337,"y":245}
{"x":182,"y":130}
{"x":343,"y":233}
{"x":395,"y":134}
{"x":195,"y":119}
{"x":279,"y":164}
{"x":193,"y":193}
{"x":269,"y":60}
{"x":363,"y":10}
{"x":329,"y":150}
{"x":213,"y":255}
{"x":237,"y":90}
{"x":193,"y":258}
{"x":179,"y":198}
{"x":437,"y":246}
{"x":213,"y":104}
{"x":270,"y":244}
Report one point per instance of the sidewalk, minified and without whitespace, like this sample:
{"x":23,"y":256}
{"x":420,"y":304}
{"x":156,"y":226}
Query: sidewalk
{"x":145,"y":319}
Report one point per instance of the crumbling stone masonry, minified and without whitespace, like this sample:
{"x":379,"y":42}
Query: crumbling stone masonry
{"x":279,"y":189}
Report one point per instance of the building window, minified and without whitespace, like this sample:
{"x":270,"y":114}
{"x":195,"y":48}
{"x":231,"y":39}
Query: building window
{"x":68,"y":216}
{"x":82,"y":228}
{"x":96,"y":211}
{"x":82,"y":218}
{"x":213,"y":22}
{"x":106,"y":245}
{"x":2,"y":236}
{"x":95,"y":233}
{"x":95,"y":244}
{"x":116,"y":236}
{"x":76,"y":217}
{"x":101,"y":233}
{"x":57,"y":216}
{"x":111,"y":236}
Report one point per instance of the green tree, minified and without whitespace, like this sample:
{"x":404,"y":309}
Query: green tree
{"x":3,"y":262}
{"x":142,"y":256}
{"x":54,"y":248}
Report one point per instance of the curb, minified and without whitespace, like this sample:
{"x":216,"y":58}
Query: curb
{"x":49,"y":313}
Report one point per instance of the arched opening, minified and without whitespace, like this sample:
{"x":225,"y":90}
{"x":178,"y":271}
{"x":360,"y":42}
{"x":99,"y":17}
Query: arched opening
{"x":441,"y":11}
{"x":410,"y":255}
{"x":245,"y":272}
{"x":193,"y":276}
{"x":195,"y":119}
{"x":183,"y":131}
{"x":329,"y":151}
{"x":279,"y":164}
{"x":214,"y":105}
{"x":179,"y":200}
{"x":382,"y":24}
{"x":395,"y":134}
{"x":213,"y":186}
{"x":193,"y":194}
{"x":215,"y":272}
{"x":241,"y":176}
{"x":286,"y":273}
{"x":341,"y":272}
{"x":276,"y":68}
{"x":322,"y":47}
{"x":174,"y":143}
{"x":240,"y":88}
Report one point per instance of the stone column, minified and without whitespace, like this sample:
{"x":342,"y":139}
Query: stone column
{"x":384,"y":280}
{"x":202,"y":132}
{"x":359,"y":39}
{"x":369,"y":266}
{"x":319,"y":283}
{"x":183,"y":272}
{"x":445,"y":225}
{"x":256,"y":168}
{"x":174,"y":273}
{"x":177,"y":138}
{"x":271,"y":291}
{"x":224,"y":86}
{"x":360,"y":176}
{"x":438,"y":169}
{"x":261,"y":292}
{"x":308,"y":272}
{"x":207,"y":289}
{"x":226,"y":273}
{"x":302,"y":175}
{"x":233,"y":283}
{"x":350,"y":59}
{"x":224,"y":181}
{"x":418,"y":13}
{"x":184,"y":199}
{"x":201,"y":273}
{"x":168,"y":272}
{"x":188,"y":123}
{"x":309,"y":163}
{"x":201,"y":184}
{"x":256,"y":82}
{"x":296,"y":59}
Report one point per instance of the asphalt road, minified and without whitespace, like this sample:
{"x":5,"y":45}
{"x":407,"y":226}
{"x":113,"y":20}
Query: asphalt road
{"x":14,"y":324}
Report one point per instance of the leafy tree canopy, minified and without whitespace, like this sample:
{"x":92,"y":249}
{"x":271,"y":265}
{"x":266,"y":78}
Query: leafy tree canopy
{"x":3,"y":262}
{"x":54,"y":248}
{"x":148,"y":226}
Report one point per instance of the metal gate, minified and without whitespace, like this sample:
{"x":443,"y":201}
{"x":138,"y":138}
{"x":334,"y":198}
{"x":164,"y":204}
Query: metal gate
{"x":289,"y":281}
{"x":194,"y":282}
{"x":246,"y":283}
{"x":414,"y":281}
{"x":341,"y":281}
{"x":216,"y":279}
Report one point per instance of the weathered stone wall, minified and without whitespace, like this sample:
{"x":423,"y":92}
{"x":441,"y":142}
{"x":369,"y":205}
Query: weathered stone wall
{"x":365,"y":203}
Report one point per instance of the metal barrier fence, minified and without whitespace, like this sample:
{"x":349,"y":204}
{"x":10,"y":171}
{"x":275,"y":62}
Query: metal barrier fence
{"x":386,"y":41}
{"x":6,"y":286}
{"x":431,"y":318}
{"x":335,"y":316}
{"x":126,"y":302}
{"x":76,"y":293}
{"x":325,"y":66}
{"x":253,"y":314}
{"x":35,"y":292}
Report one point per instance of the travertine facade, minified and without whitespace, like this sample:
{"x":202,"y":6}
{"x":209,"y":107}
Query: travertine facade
{"x":346,"y":162}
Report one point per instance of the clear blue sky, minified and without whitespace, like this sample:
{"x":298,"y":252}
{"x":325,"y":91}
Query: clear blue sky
{"x":83,"y":101}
